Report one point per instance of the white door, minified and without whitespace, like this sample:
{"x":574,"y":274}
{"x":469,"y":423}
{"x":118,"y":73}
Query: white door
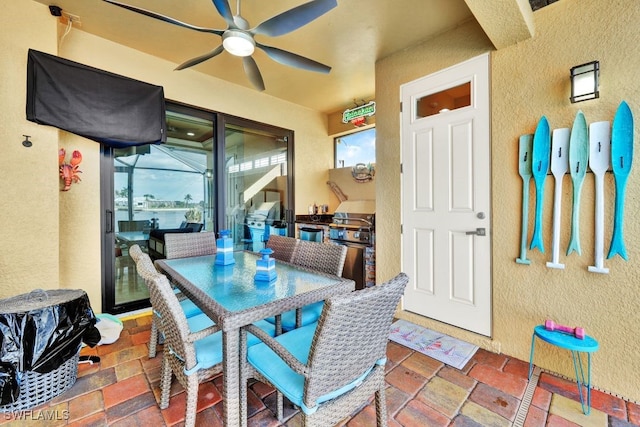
{"x":446,"y":217}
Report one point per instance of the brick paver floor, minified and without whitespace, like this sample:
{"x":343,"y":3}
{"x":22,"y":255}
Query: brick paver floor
{"x":123,"y":390}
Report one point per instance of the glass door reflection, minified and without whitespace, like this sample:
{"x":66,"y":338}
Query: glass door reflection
{"x":258,"y":185}
{"x":159,"y":188}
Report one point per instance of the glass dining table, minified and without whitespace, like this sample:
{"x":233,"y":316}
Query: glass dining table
{"x":232,"y":298}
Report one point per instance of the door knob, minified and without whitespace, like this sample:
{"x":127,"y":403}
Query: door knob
{"x":478,"y":232}
{"x":480,"y":215}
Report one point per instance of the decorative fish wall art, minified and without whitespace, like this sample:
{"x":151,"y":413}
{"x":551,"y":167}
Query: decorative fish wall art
{"x":621,"y":158}
{"x":599,"y":148}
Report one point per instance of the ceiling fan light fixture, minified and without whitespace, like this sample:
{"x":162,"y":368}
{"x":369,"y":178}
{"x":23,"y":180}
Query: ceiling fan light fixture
{"x":238,"y":43}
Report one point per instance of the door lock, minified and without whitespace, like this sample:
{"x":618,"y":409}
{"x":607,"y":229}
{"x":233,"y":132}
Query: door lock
{"x":478,"y":232}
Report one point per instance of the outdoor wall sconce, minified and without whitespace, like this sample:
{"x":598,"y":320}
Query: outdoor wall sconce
{"x":584,"y":81}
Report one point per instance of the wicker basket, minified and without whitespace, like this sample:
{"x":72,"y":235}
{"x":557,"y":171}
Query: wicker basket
{"x":36,"y":389}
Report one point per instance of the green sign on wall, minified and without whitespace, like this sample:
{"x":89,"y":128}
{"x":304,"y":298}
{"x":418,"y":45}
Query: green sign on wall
{"x":361,"y":111}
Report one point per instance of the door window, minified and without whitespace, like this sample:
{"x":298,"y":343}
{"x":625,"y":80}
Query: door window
{"x":446,"y":100}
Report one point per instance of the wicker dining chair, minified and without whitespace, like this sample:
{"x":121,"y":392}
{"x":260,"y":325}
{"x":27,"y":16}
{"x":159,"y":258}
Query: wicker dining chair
{"x":190,"y":353}
{"x":182,"y":245}
{"x":283,"y":247}
{"x":148,"y":272}
{"x":324,"y":257}
{"x":191,"y":356}
{"x":331,"y":368}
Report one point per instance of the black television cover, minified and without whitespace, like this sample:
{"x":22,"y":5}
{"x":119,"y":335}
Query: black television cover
{"x":108,"y":108}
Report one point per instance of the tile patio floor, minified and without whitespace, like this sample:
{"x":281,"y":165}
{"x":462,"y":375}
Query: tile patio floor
{"x":123,"y":390}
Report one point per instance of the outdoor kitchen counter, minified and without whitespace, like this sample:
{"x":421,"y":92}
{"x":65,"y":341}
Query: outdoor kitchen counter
{"x":323,"y":219}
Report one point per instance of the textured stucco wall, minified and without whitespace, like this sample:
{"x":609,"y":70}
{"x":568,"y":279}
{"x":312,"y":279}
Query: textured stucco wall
{"x":29,"y":184}
{"x":52,"y":239}
{"x":530,"y":79}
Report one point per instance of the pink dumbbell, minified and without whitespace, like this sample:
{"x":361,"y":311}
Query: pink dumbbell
{"x":550,"y":325}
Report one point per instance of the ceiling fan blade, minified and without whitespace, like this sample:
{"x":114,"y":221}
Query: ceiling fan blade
{"x":164,"y":18}
{"x":222,"y":6}
{"x":294,"y":18}
{"x":252,"y":71}
{"x":294,"y":60}
{"x":201,"y":58}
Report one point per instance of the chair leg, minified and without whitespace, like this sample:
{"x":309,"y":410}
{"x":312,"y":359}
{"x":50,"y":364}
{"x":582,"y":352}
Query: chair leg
{"x":153,"y":339}
{"x":381,"y":408}
{"x":280,"y":405}
{"x":165,"y":382}
{"x":192,"y":400}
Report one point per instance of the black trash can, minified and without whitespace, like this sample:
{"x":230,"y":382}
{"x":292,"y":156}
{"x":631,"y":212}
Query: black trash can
{"x":40,"y":338}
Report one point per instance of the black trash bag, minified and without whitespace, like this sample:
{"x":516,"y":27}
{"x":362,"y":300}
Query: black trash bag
{"x":48,"y":331}
{"x":9,"y":387}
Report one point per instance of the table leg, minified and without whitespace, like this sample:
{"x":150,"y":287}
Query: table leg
{"x":231,"y":377}
{"x":533,"y":343}
{"x":582,"y":383}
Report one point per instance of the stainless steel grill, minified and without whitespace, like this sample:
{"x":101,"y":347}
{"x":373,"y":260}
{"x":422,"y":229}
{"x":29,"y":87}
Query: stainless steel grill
{"x":353,"y":221}
{"x":354,"y":226}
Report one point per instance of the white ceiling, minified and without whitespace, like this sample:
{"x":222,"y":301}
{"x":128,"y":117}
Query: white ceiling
{"x":350,"y":38}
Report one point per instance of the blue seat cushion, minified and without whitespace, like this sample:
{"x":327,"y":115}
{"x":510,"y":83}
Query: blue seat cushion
{"x":209,"y":348}
{"x":282,"y":377}
{"x":199,"y":322}
{"x":310,"y":314}
{"x":190,"y":308}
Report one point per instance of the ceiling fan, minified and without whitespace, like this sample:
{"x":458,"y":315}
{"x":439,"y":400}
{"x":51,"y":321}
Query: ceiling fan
{"x":238,"y":39}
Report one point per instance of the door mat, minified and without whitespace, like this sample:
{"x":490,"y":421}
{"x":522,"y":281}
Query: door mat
{"x":434,"y":344}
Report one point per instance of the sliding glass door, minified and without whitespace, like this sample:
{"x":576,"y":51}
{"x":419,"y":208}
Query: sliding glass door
{"x":258,"y":184}
{"x":215,"y":172}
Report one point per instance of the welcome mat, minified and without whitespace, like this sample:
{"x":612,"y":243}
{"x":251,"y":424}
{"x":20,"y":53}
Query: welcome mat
{"x":437,"y":345}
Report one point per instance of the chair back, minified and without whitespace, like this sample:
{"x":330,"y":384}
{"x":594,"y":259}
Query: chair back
{"x":283,"y":247}
{"x":145,"y":267}
{"x":135,"y":252}
{"x":173,"y":320}
{"x":182,"y":245}
{"x":351,"y":336}
{"x":324,"y":257}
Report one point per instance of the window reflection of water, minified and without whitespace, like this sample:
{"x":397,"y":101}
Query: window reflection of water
{"x":166,"y":218}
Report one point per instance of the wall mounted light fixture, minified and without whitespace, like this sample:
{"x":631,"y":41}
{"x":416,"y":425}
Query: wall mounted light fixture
{"x":26,"y":141}
{"x":585,"y":81}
